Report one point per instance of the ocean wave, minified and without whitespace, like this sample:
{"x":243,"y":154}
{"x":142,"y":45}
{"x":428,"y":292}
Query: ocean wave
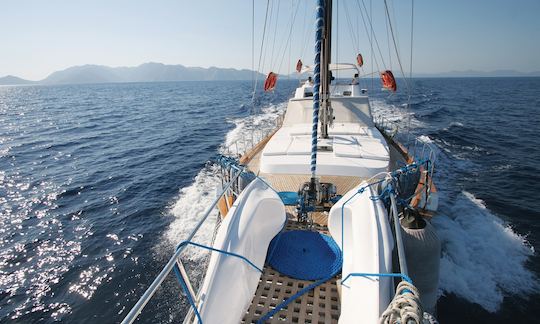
{"x":193,"y":200}
{"x":483,"y":259}
{"x":189,"y":208}
{"x":455,"y":124}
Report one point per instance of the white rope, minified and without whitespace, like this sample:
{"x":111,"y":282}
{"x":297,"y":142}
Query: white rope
{"x":405,"y":308}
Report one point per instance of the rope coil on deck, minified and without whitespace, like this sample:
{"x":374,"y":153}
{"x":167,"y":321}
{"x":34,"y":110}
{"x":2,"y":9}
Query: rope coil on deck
{"x":305,"y":255}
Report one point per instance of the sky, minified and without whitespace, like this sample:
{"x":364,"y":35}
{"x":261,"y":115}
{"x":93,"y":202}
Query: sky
{"x":40,"y":37}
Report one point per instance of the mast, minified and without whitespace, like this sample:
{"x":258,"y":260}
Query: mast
{"x":326,"y":51}
{"x":321,"y":90}
{"x":321,"y":78}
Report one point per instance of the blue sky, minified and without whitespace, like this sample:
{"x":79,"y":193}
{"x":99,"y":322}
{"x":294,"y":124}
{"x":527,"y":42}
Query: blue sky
{"x":39,"y":37}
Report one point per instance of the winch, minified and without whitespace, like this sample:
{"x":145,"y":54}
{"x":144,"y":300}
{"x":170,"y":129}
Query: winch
{"x":315,"y":196}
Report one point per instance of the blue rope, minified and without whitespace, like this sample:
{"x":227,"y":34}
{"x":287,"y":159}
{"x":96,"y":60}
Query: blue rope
{"x":228,"y":161}
{"x":271,"y":254}
{"x":186,"y":291}
{"x":183,"y":283}
{"x":220,"y":251}
{"x":319,"y":24}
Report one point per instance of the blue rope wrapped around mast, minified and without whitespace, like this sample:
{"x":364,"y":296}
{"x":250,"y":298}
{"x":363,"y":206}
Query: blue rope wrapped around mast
{"x":319,"y":24}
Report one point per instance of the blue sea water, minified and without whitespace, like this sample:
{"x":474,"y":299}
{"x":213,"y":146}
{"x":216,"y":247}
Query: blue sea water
{"x":99,"y":182}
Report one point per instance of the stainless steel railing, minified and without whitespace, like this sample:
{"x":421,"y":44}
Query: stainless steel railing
{"x":176,"y":258}
{"x":388,"y":127}
{"x":252,"y":137}
{"x":419,"y":150}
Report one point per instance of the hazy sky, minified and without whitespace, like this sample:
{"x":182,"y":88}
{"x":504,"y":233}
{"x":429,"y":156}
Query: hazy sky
{"x":39,"y":37}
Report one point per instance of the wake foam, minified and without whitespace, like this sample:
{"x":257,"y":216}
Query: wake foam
{"x":194,"y":200}
{"x":251,"y":128}
{"x":394,"y":113}
{"x":483,"y":259}
{"x":190,"y":207}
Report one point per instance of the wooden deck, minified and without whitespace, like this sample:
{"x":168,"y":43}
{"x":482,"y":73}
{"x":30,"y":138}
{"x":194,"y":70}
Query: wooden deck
{"x":321,"y":305}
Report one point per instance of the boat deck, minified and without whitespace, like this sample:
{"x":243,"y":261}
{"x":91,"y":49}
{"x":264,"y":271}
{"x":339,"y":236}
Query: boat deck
{"x":322,"y":304}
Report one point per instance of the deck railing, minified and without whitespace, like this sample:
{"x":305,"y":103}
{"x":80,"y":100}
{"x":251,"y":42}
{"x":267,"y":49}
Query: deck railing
{"x":419,"y":149}
{"x":251,"y":138}
{"x":176,"y":260}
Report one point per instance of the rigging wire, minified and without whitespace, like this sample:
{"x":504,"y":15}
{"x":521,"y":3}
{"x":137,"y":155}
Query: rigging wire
{"x":410,"y":77}
{"x":274,"y":35}
{"x":303,"y":34}
{"x":388,"y":43}
{"x":337,"y":39}
{"x":260,"y":55}
{"x":289,"y":37}
{"x":392,"y":7}
{"x":266,"y":45}
{"x":371,"y":44}
{"x":396,"y":48}
{"x":253,"y":47}
{"x":290,"y":47}
{"x":307,"y":39}
{"x":351,"y":29}
{"x":373,"y":37}
{"x":354,"y":39}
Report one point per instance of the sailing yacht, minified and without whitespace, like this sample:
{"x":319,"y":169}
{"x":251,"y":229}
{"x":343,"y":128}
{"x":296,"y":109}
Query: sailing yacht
{"x":324,"y":220}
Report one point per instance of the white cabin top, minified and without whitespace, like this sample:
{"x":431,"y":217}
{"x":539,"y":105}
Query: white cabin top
{"x":354,"y":146}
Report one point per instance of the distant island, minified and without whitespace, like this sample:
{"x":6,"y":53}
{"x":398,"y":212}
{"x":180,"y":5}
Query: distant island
{"x":480,"y":74}
{"x":147,"y":72}
{"x":158,"y":72}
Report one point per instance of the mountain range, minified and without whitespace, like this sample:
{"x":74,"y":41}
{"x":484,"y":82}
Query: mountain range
{"x":158,"y":72}
{"x":147,"y":72}
{"x":480,"y":74}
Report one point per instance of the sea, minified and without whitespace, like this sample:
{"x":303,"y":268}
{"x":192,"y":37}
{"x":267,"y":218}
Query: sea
{"x":100,"y":182}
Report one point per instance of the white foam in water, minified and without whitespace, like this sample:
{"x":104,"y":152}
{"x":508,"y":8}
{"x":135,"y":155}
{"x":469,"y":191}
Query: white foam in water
{"x":393,"y":113}
{"x":483,"y":259}
{"x":195,"y":199}
{"x":190,"y":208}
{"x":249,"y":126}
